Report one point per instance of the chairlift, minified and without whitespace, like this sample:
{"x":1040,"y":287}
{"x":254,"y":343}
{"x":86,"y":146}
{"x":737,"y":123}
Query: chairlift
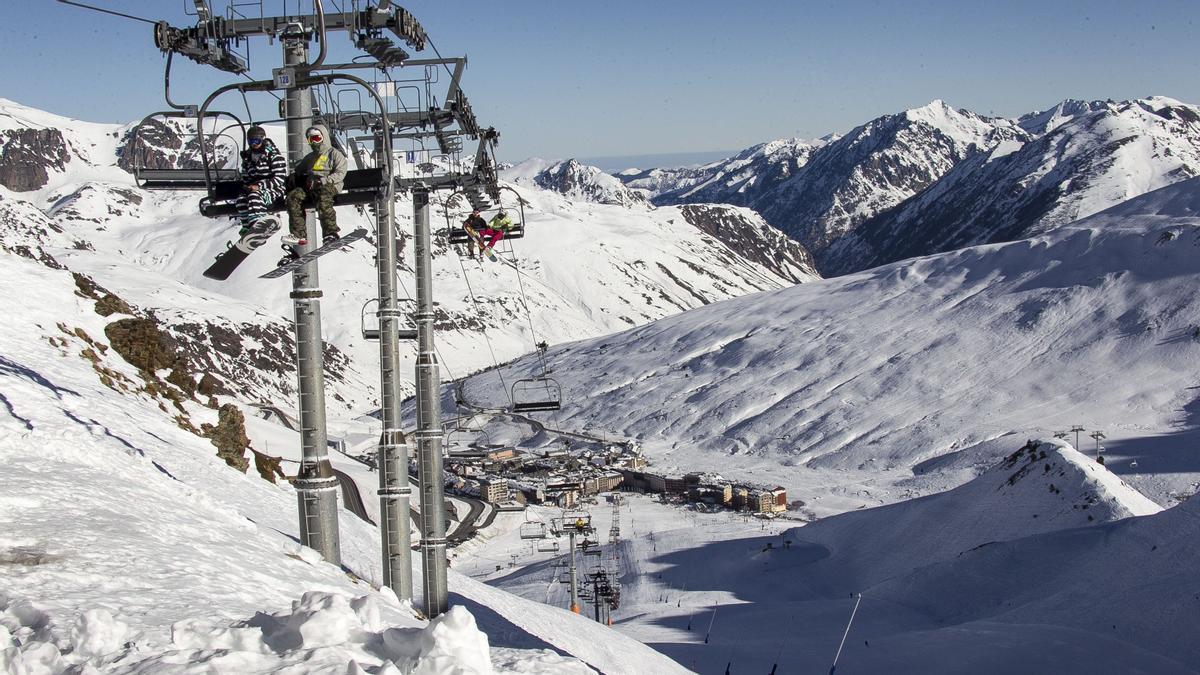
{"x":459,"y":442}
{"x":573,"y":515}
{"x":548,"y":546}
{"x":361,"y":186}
{"x":455,"y":234}
{"x":572,"y":521}
{"x":370,"y":323}
{"x":535,"y":394}
{"x":184,"y":171}
{"x":533,"y":529}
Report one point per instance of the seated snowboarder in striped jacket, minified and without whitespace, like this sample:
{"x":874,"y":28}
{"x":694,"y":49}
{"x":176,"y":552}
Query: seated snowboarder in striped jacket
{"x":264,"y":170}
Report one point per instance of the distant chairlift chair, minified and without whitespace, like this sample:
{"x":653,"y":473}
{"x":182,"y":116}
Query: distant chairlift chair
{"x":370,"y":323}
{"x":533,"y":529}
{"x":536,"y":394}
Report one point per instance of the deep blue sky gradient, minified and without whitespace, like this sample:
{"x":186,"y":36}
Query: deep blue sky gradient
{"x":564,"y":78}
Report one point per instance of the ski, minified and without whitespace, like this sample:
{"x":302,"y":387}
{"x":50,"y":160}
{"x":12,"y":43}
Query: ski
{"x":314,"y":254}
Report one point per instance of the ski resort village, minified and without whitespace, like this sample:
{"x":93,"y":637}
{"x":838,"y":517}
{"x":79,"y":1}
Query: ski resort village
{"x":352,"y":337}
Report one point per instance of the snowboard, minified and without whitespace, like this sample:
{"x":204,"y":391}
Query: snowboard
{"x":491,"y":255}
{"x":238,"y":251}
{"x":314,"y":254}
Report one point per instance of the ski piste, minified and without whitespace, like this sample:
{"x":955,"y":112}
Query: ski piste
{"x":485,"y":249}
{"x":238,"y":251}
{"x":314,"y":254}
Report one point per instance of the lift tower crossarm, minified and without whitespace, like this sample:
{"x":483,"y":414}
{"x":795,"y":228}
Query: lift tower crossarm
{"x":398,"y":21}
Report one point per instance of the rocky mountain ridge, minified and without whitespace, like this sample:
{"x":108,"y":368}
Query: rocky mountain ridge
{"x":895,"y":187}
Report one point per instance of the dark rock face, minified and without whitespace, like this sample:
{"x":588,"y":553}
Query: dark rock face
{"x":142,"y":344}
{"x":166,"y":145}
{"x":268,"y":467}
{"x":753,"y":239}
{"x":107,"y":303}
{"x":28,"y":155}
{"x":249,"y":360}
{"x":229,"y":436}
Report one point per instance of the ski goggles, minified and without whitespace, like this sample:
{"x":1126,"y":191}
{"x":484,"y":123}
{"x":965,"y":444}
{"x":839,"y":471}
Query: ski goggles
{"x":314,"y":138}
{"x":255,"y":141}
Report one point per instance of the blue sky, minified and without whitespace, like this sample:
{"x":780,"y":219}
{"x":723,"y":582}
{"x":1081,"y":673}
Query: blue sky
{"x":563,"y":78}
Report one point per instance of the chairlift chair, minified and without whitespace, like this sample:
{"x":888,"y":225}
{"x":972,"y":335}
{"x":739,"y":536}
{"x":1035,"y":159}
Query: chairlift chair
{"x":533,"y":529}
{"x":190,"y":172}
{"x":536,"y":394}
{"x":371,"y":326}
{"x":456,"y":235}
{"x":462,"y":443}
{"x":360,"y":186}
{"x":548,"y":546}
{"x":370,"y":331}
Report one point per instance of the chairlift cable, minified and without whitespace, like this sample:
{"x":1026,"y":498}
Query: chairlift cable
{"x":532,"y":332}
{"x":475,"y":304}
{"x":109,"y":11}
{"x":528,"y":312}
{"x":441,"y":361}
{"x":435,"y":47}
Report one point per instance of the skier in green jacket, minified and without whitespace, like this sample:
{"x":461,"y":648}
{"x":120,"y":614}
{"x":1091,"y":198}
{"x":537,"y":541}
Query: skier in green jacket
{"x":497,"y":227}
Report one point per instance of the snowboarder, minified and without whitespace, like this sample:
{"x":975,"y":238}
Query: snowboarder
{"x":474,"y":223}
{"x":495,"y":230}
{"x":319,"y":175}
{"x":263,"y":172}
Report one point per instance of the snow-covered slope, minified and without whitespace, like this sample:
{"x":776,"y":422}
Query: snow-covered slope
{"x":1091,"y":157}
{"x":128,"y":545}
{"x":841,"y":389}
{"x":741,"y":231}
{"x":1041,"y":487}
{"x":1042,"y":122}
{"x":754,"y":168}
{"x":1026,"y":568}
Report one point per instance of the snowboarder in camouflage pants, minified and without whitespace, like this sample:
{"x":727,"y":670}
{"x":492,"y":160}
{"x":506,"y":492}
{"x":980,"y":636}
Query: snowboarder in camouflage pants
{"x":319,"y":175}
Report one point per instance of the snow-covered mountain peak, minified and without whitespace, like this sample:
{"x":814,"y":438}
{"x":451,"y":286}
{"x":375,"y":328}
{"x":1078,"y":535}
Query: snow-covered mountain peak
{"x":964,"y":127}
{"x":1044,"y":486}
{"x":14,"y":115}
{"x":575,"y":180}
{"x":1041,"y":122}
{"x":1160,"y":102}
